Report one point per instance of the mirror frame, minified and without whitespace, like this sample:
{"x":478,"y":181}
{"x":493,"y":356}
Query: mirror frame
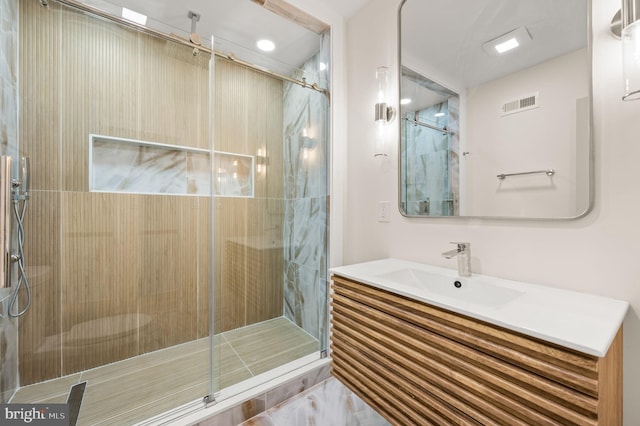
{"x":590,"y":145}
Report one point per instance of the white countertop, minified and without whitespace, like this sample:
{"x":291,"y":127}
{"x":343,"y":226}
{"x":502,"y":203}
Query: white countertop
{"x":580,"y":321}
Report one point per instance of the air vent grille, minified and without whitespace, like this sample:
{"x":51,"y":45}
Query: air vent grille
{"x":524,"y":103}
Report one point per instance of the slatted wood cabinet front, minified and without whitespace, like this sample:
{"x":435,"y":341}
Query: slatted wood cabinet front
{"x":419,"y":365}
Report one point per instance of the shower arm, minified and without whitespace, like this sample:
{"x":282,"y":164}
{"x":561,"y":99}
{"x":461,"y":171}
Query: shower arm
{"x":230,"y":57}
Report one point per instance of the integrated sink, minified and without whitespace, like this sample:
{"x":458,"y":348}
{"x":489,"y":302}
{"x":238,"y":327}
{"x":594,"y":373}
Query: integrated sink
{"x":474,"y":290}
{"x":580,"y":321}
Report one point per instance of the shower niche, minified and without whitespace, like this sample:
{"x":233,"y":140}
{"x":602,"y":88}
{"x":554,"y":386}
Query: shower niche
{"x":141,"y":167}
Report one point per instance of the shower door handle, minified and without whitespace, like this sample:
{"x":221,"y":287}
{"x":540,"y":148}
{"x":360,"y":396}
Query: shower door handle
{"x":5,"y":221}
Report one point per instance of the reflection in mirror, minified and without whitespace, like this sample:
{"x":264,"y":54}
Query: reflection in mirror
{"x":503,"y":91}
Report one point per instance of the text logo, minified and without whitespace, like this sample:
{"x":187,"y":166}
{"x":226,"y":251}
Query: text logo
{"x":34,"y":414}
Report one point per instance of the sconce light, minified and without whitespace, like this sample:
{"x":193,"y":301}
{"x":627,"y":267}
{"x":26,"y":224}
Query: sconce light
{"x":262,"y":161}
{"x":307,"y":143}
{"x":384,"y":113}
{"x":626,"y":25}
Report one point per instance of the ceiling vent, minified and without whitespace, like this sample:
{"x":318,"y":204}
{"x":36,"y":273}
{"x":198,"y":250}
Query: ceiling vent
{"x":524,"y":103}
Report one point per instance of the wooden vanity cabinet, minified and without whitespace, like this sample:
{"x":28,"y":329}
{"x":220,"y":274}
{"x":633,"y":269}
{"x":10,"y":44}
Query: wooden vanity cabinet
{"x":417,"y":364}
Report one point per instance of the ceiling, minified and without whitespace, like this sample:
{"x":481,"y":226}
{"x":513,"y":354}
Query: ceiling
{"x":447,"y":36}
{"x":235,"y":26}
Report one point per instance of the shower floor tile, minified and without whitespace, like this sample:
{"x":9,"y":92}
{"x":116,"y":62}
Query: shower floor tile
{"x":137,"y":388}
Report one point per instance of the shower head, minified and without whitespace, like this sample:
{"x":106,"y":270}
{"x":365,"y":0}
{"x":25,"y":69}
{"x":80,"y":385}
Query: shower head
{"x":194,"y":37}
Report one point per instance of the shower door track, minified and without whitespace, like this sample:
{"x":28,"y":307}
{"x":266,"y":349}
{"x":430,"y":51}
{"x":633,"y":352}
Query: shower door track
{"x":170,"y":37}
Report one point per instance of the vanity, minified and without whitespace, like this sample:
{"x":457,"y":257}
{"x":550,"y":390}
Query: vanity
{"x":424,"y":346}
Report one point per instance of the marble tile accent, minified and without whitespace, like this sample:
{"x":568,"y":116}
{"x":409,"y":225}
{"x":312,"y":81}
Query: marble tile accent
{"x":233,"y":175}
{"x":431,"y":161}
{"x":270,"y":399}
{"x":8,"y":354}
{"x":328,"y":403}
{"x":136,"y":167}
{"x":9,"y":77}
{"x":304,"y":284}
{"x":306,"y":191}
{"x":8,"y":146}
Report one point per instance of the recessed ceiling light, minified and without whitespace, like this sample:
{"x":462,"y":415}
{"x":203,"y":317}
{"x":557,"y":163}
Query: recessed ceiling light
{"x":134,"y":16}
{"x":322,"y":66}
{"x":507,"y":42}
{"x":505,"y":46}
{"x":405,"y":101}
{"x":266,"y":45}
{"x":439,"y":114}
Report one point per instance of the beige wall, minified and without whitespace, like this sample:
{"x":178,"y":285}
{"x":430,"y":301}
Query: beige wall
{"x":115,"y":275}
{"x":596,"y":254}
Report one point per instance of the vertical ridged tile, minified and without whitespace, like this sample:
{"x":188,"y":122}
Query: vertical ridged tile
{"x":101,"y":270}
{"x":231,"y":106}
{"x":204,"y":265}
{"x":40,"y":92}
{"x":40,"y":328}
{"x":99,"y":89}
{"x":230,"y":234}
{"x":173,"y":105}
{"x":167,"y":261}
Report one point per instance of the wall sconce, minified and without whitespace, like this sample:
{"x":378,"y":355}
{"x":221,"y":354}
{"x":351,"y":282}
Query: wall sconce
{"x":384,"y":113}
{"x":307,"y":143}
{"x":626,"y":25}
{"x":262,"y":161}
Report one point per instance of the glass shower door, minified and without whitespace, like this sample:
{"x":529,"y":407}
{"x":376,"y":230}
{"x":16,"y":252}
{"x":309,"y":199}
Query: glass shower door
{"x":428,"y":153}
{"x":116,"y":124}
{"x":270,"y":243}
{"x":8,"y":147}
{"x":125,"y":237}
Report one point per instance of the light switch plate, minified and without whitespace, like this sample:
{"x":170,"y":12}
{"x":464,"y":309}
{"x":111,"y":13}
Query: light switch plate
{"x":384,"y":209}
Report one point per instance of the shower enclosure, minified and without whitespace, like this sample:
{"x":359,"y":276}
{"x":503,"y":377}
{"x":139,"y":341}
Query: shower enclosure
{"x":430,"y":147}
{"x":176,"y":236}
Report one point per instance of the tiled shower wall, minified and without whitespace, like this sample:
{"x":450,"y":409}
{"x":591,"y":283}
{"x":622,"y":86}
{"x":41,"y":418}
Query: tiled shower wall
{"x":306,"y":192}
{"x":248,"y":231}
{"x":115,"y":275}
{"x":431,"y":162}
{"x":8,"y":146}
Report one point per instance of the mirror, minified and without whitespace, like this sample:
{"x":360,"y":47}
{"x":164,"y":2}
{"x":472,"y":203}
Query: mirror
{"x":495,"y":109}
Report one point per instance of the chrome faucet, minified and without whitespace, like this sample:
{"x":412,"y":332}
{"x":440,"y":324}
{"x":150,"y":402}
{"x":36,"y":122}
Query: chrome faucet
{"x":463,"y":252}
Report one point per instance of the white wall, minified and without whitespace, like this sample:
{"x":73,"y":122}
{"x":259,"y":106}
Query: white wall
{"x":536,"y":139}
{"x":599,"y":253}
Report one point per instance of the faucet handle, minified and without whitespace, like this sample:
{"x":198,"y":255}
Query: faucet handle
{"x":462,"y":245}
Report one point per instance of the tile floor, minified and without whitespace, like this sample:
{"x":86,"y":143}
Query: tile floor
{"x":137,"y":388}
{"x":328,"y":403}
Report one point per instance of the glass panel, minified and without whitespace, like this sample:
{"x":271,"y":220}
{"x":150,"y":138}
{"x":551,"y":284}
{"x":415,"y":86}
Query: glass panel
{"x":233,"y":175}
{"x":120,"y":277}
{"x":9,"y":147}
{"x":122,"y":272}
{"x":270,"y":250}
